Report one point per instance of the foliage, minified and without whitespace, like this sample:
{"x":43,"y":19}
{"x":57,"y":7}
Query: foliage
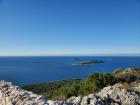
{"x":47,"y":88}
{"x":118,"y":71}
{"x":127,"y":75}
{"x":63,"y":89}
{"x":93,"y":83}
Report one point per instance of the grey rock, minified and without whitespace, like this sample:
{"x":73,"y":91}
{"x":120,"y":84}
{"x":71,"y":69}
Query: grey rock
{"x":14,"y":95}
{"x":115,"y":95}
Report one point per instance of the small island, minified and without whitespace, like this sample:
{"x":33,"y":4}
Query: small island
{"x":89,"y":62}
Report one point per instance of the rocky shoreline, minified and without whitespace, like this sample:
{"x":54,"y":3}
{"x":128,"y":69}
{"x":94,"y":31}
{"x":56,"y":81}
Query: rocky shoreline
{"x":111,"y":95}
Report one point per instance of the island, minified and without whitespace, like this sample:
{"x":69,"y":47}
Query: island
{"x":89,"y":62}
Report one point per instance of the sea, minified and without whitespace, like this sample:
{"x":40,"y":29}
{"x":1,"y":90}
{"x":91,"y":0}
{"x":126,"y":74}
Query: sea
{"x":42,"y":69}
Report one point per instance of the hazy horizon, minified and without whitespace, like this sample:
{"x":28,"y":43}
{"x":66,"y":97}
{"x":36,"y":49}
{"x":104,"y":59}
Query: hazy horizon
{"x":49,"y":55}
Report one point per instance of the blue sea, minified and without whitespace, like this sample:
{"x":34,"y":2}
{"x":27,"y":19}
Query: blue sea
{"x":30,"y":70}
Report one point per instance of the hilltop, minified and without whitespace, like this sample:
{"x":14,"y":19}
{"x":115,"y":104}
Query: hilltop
{"x":122,"y":87}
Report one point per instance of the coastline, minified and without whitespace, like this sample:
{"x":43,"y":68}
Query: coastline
{"x":122,"y":75}
{"x":122,"y":87}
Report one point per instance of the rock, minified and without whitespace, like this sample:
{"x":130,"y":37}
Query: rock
{"x":111,"y":95}
{"x":14,"y":95}
{"x":85,"y":100}
{"x":50,"y":102}
{"x":94,"y":100}
{"x":74,"y":100}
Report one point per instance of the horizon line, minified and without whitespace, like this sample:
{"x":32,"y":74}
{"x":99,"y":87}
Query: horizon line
{"x":70,"y":55}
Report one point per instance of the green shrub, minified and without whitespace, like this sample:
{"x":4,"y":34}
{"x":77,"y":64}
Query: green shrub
{"x":91,"y":84}
{"x":60,"y":90}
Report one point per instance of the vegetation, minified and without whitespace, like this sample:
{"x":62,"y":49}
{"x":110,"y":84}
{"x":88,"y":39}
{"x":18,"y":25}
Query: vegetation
{"x":127,"y":75}
{"x":64,"y":89}
{"x":47,"y":88}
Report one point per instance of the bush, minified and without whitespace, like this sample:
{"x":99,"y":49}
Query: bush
{"x":64,"y":89}
{"x":117,"y":72}
{"x":91,"y":84}
{"x":101,"y":80}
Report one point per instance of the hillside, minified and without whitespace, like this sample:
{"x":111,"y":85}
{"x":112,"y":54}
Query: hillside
{"x":61,"y":90}
{"x":111,"y":95}
{"x":122,"y":87}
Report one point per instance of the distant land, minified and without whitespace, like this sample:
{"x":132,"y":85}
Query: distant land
{"x":88,"y":62}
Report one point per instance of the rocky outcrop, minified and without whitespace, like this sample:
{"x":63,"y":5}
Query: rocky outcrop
{"x":14,"y":95}
{"x":116,"y":95}
{"x":86,"y":100}
{"x":111,"y":95}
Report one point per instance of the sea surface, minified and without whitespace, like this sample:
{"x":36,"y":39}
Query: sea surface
{"x":30,"y":70}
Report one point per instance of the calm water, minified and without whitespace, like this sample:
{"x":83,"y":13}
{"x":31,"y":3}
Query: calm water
{"x":26,"y":70}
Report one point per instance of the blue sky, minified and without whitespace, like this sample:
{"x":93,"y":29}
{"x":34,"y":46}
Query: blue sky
{"x":69,"y":27}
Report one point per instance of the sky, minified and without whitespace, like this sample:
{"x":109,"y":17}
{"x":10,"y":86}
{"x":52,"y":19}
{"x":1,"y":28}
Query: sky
{"x":69,"y":27}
